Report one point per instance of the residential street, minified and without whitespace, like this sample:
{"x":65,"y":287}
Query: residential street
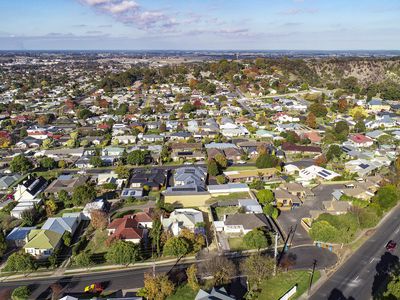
{"x":365,"y":271}
{"x":132,"y":279}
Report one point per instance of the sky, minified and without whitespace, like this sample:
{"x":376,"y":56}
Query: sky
{"x":199,"y":24}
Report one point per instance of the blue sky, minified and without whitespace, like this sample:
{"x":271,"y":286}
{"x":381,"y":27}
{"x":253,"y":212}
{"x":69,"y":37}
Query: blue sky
{"x":200,"y":24}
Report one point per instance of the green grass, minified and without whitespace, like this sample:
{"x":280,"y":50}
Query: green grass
{"x":98,"y":243}
{"x":276,"y":287}
{"x":236,"y":244}
{"x":221,"y":211}
{"x":232,"y":196}
{"x":183,"y":292}
{"x":68,"y":210}
{"x":241,"y":168}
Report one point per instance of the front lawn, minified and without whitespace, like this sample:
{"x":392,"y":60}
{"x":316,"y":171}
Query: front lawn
{"x":183,"y":292}
{"x":276,"y":287}
{"x":97,"y":243}
{"x":241,"y":168}
{"x":236,"y":244}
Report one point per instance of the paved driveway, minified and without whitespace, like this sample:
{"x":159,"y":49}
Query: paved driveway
{"x":289,"y":219}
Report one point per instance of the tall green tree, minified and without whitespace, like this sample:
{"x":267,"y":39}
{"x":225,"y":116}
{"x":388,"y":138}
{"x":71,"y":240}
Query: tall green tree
{"x":83,"y":194}
{"x":123,"y":253}
{"x":176,"y":246}
{"x":20,"y":262}
{"x":21,"y":293}
{"x":20,"y":164}
{"x":155,"y":234}
{"x":255,"y":239}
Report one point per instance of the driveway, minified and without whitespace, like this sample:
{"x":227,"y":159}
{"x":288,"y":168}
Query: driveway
{"x":292,"y":218}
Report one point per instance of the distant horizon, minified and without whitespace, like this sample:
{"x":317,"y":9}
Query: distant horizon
{"x":194,"y":24}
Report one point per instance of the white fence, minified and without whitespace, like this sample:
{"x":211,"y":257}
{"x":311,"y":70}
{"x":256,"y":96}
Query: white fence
{"x":289,"y":293}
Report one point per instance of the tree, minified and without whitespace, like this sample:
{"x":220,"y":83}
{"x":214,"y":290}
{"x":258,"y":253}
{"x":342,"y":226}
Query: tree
{"x":157,"y":287}
{"x":99,"y":219}
{"x":311,"y":120}
{"x":191,"y":274}
{"x":47,"y":144}
{"x":62,"y":164}
{"x":196,"y":241}
{"x":155,"y":234}
{"x":359,"y":126}
{"x":83,"y":194}
{"x":20,"y":164}
{"x":271,"y":211}
{"x":21,"y":293}
{"x":318,"y":109}
{"x":221,"y":179}
{"x":51,"y":207}
{"x":212,"y":167}
{"x":122,"y":253}
{"x":48,"y":163}
{"x":334,"y":151}
{"x":188,"y":107}
{"x":387,"y":197}
{"x":137,"y":157}
{"x":265,"y":196}
{"x":176,"y":246}
{"x":342,"y":127}
{"x":255,"y":239}
{"x":342,"y":105}
{"x":28,"y":217}
{"x":393,"y":287}
{"x":83,"y":259}
{"x":3,"y":243}
{"x":220,"y":268}
{"x":122,"y":172}
{"x":358,"y":113}
{"x":265,"y":160}
{"x":67,"y":238}
{"x":20,"y":262}
{"x":258,"y":267}
{"x":323,"y":231}
{"x":221,"y":161}
{"x":96,"y":161}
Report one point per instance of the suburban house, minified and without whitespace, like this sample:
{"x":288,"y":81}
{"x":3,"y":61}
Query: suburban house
{"x":131,"y":228}
{"x":8,"y":180}
{"x":251,"y":175}
{"x":360,"y":140}
{"x":153,"y":178}
{"x":240,"y":224}
{"x":62,"y":224}
{"x":215,"y":294}
{"x":182,"y":218}
{"x":290,"y":148}
{"x":66,"y":183}
{"x":30,"y":189}
{"x":42,"y":243}
{"x":17,"y":237}
{"x":284,"y":199}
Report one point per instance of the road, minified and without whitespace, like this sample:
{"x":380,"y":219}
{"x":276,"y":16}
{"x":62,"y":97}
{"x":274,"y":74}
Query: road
{"x":130,"y":279}
{"x":365,"y":271}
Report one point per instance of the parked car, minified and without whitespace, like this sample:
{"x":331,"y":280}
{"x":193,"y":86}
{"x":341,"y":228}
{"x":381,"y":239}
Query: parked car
{"x":391,"y":245}
{"x":95,"y":288}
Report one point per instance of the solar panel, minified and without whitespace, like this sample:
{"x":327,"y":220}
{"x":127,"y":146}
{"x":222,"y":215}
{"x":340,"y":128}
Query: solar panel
{"x":364,"y":166}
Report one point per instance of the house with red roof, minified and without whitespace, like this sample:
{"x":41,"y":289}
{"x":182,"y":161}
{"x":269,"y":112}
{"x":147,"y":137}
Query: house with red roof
{"x":360,"y":140}
{"x":130,"y":228}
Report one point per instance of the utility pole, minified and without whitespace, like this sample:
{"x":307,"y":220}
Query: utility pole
{"x":311,"y":277}
{"x":275,"y":251}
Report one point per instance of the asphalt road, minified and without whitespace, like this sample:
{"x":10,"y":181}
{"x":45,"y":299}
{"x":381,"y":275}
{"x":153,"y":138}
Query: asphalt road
{"x":364,"y":272}
{"x":74,"y":285}
{"x":303,"y":258}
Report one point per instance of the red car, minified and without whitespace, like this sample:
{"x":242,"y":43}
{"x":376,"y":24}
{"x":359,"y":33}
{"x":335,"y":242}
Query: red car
{"x":391,"y":245}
